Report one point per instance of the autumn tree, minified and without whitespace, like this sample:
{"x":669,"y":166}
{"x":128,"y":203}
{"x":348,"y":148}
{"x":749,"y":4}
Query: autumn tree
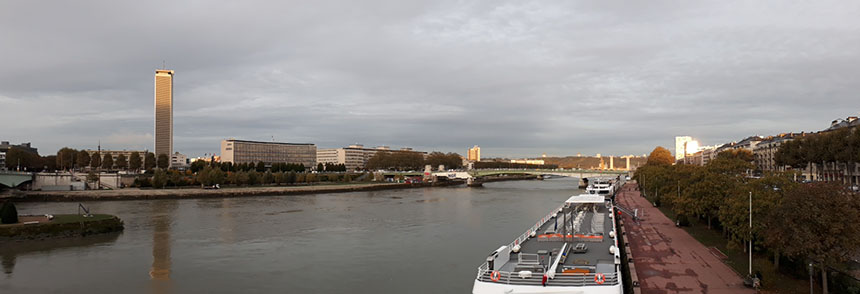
{"x":660,"y":156}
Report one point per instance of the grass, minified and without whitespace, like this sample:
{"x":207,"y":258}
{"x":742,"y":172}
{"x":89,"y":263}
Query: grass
{"x":772,"y":280}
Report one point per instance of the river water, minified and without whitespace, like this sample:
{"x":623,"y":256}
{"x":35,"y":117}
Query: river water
{"x":428,"y":240}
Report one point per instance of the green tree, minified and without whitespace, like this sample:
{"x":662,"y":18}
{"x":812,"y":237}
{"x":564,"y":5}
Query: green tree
{"x":253,"y":178}
{"x":96,"y":160}
{"x":92,"y":177}
{"x":27,"y":160}
{"x":163,"y":161}
{"x":291,"y":178}
{"x":203,"y":175}
{"x":66,"y":158}
{"x":660,"y":156}
{"x":159,"y":179}
{"x":175,"y":178}
{"x":121,"y":162}
{"x":83,"y":159}
{"x":134,"y":162}
{"x":268,"y":178}
{"x":149,"y":161}
{"x":261,"y":167}
{"x":320,"y":167}
{"x":812,"y":221}
{"x":107,"y":162}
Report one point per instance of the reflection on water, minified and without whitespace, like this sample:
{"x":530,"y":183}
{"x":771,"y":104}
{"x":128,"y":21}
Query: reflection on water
{"x":399,"y":241}
{"x":11,"y":250}
{"x":161,"y":212}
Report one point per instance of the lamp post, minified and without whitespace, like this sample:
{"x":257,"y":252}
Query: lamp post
{"x":811,"y":270}
{"x":751,"y":244}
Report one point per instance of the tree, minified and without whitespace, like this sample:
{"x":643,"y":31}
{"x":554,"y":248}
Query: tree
{"x":320,"y":167}
{"x":121,"y":162}
{"x":66,"y":158}
{"x":96,"y":160}
{"x":816,"y":221}
{"x":149,"y":161}
{"x":8,"y":213}
{"x":134,"y":162}
{"x":92,"y":177}
{"x":163,"y":161}
{"x":261,"y":167}
{"x":159,"y":179}
{"x":107,"y":162}
{"x":268,"y":178}
{"x":27,"y":160}
{"x":83,"y":159}
{"x":660,"y":156}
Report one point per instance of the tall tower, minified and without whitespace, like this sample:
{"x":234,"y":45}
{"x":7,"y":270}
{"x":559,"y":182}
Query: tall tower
{"x":163,"y":112}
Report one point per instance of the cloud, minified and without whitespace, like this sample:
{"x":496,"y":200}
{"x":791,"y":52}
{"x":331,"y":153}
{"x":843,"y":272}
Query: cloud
{"x":517,"y":78}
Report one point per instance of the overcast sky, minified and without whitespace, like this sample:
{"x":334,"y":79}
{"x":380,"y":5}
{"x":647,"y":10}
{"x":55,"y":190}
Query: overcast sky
{"x":518,"y":78}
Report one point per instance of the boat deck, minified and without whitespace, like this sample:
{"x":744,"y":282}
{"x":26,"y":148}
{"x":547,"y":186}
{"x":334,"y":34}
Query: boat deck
{"x":592,"y":230}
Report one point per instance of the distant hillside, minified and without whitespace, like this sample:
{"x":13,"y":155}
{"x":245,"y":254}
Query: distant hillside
{"x":590,"y":162}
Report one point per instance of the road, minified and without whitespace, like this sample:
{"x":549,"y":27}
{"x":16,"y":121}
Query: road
{"x":668,"y":259}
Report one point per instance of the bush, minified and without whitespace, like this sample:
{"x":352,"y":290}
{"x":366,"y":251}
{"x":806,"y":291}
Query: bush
{"x":8,"y":213}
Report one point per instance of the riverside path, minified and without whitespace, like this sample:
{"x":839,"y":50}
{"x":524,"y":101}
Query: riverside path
{"x":667,"y":258}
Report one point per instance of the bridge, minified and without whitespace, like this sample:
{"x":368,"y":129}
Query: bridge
{"x":579,"y":173}
{"x":13,"y":179}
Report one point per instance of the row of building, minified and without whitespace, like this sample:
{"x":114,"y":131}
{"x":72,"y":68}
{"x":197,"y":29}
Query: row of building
{"x":764,"y":150}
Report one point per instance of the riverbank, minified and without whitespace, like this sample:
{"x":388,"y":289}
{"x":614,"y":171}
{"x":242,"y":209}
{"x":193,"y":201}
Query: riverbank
{"x":192,"y":193}
{"x":63,"y":225}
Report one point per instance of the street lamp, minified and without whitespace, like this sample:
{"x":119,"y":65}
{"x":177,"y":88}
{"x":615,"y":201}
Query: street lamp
{"x":751,"y":244}
{"x":811,"y":270}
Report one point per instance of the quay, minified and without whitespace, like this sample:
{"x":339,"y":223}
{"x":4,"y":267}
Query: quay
{"x":667,"y":259}
{"x":191,"y":193}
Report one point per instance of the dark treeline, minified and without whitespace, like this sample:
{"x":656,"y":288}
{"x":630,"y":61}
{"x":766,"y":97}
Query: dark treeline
{"x":210,"y":175}
{"x":841,"y":146}
{"x":331,"y":167}
{"x":71,"y":159}
{"x":502,"y":164}
{"x":791,"y":220}
{"x":394,"y":160}
{"x":248,"y":166}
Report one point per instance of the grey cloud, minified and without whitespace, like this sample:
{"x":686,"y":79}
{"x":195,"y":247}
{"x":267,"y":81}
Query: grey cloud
{"x":518,"y":78}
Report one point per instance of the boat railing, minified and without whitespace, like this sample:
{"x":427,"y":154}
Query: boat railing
{"x":536,"y":279}
{"x":525,"y":236}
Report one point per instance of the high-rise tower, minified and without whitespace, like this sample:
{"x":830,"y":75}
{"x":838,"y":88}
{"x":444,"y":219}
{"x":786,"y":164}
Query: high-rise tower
{"x":163,"y":112}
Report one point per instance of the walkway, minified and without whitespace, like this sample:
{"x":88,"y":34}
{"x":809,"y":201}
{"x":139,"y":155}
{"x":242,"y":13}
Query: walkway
{"x":668,"y":259}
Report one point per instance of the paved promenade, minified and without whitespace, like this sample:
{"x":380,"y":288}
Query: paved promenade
{"x":668,"y":259}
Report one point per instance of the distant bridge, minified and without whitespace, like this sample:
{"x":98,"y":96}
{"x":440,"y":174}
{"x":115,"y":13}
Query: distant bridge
{"x":13,"y":179}
{"x":580,"y":173}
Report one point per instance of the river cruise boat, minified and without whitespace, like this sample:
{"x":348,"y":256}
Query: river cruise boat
{"x":602,"y":186}
{"x":573,"y":249}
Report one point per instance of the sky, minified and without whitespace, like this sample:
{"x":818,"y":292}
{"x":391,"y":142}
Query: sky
{"x":518,"y":78}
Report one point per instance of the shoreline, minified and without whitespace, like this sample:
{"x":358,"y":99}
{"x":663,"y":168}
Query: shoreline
{"x":229,"y":192}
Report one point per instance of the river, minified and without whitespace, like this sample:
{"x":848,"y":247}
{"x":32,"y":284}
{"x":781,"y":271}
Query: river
{"x":428,"y":240}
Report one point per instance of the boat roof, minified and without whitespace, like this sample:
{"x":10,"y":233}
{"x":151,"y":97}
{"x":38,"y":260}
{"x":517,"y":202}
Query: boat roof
{"x":586,"y":198}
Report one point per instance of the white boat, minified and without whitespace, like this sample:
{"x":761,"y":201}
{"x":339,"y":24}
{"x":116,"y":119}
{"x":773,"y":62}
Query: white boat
{"x":573,"y":249}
